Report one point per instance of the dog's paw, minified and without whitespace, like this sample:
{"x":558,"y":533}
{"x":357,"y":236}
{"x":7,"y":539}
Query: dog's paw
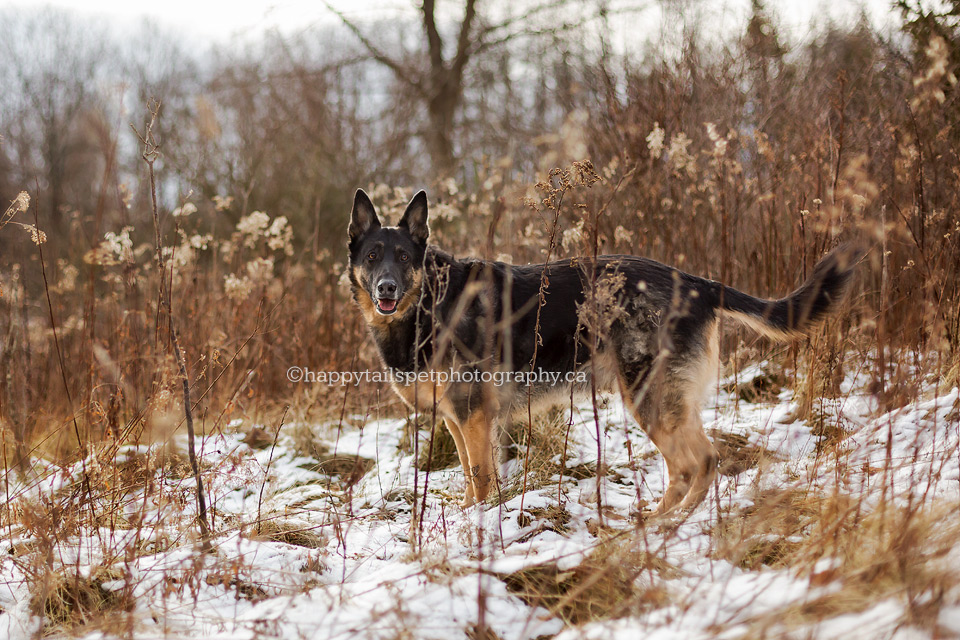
{"x":644,"y":513}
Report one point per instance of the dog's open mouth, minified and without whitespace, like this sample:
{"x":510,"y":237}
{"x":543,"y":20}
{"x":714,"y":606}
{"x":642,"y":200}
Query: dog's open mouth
{"x":386,"y":306}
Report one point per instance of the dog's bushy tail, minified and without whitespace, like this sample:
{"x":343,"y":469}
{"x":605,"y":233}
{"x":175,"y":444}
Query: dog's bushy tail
{"x":795,"y":314}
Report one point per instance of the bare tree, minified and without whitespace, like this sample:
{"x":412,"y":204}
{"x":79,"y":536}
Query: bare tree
{"x":439,"y":80}
{"x":52,"y":60}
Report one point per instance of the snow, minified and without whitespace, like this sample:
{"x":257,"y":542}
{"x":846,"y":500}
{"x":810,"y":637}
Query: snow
{"x":345,"y":562}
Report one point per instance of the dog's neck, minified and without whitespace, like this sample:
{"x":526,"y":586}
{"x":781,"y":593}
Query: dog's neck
{"x":397,"y":338}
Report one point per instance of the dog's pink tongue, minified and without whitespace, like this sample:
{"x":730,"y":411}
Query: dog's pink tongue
{"x":388,"y":305}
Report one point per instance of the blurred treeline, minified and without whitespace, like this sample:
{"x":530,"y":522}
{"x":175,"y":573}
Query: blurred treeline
{"x":739,"y":155}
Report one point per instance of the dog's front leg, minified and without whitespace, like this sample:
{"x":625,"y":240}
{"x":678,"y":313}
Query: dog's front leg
{"x":477,"y":433}
{"x":454,"y":428}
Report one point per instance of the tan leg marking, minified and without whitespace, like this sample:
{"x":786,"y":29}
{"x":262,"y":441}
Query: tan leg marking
{"x":477,"y":433}
{"x":677,"y":430}
{"x":454,"y":428}
{"x":421,"y":397}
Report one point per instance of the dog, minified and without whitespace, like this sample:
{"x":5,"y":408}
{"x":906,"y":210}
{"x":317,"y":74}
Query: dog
{"x":631,"y":323}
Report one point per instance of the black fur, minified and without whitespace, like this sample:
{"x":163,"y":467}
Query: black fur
{"x":814,"y":300}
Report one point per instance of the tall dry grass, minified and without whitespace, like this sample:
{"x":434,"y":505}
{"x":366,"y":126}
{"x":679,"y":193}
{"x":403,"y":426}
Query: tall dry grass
{"x":743,"y":164}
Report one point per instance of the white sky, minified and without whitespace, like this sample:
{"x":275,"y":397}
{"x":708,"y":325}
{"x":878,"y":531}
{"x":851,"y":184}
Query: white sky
{"x":220,"y":21}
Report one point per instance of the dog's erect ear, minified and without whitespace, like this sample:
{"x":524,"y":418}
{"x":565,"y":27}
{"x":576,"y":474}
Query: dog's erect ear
{"x":364,"y":217}
{"x":415,"y":218}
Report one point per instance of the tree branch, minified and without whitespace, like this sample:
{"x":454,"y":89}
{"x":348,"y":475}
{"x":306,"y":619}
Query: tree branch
{"x":434,"y":43}
{"x":526,"y":16}
{"x":375,"y":53}
{"x":481,"y":45}
{"x":463,"y":42}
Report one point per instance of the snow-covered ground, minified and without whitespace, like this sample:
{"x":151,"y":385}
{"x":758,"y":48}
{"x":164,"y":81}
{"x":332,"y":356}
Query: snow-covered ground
{"x":337,"y":557}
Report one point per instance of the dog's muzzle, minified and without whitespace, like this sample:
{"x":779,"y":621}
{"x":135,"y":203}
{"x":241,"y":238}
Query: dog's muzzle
{"x":387,"y":297}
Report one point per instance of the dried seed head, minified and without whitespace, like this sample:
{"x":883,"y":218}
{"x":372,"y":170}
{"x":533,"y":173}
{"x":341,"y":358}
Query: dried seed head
{"x":655,"y":140}
{"x":184,"y":211}
{"x":23,"y":201}
{"x":237,"y":289}
{"x":37,"y":236}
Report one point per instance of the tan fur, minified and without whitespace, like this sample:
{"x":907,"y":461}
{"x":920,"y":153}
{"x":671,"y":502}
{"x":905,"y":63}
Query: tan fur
{"x":761,"y":327}
{"x":705,"y":370}
{"x":453,"y":427}
{"x":422,"y":395}
{"x":700,"y":455}
{"x":477,"y":433}
{"x":474,"y":438}
{"x":668,"y":409}
{"x":368,"y":308}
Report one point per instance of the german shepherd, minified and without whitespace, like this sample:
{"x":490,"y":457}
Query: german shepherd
{"x":654,"y":338}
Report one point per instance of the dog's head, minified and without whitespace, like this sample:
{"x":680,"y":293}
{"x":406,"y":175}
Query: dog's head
{"x":386,"y":263}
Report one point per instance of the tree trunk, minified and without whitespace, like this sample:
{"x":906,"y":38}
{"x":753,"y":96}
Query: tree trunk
{"x":442,"y":109}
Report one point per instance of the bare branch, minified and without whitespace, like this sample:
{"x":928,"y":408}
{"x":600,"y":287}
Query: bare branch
{"x":463,"y":43}
{"x":375,"y":53}
{"x":526,"y":16}
{"x":480,"y":44}
{"x":434,"y":43}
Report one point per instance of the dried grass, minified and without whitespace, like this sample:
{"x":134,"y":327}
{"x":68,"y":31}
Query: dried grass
{"x":847,"y":137}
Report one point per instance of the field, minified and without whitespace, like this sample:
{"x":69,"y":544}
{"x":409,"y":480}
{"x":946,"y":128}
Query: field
{"x":175,"y":243}
{"x":841,"y":526}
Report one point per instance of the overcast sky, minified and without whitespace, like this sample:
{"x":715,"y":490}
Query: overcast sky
{"x":220,"y":21}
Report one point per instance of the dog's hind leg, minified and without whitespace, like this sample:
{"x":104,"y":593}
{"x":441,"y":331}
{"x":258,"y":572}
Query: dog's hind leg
{"x":454,"y":428}
{"x":641,"y":391}
{"x":668,"y":434}
{"x":668,"y":409}
{"x":691,"y":459}
{"x":692,"y":386}
{"x":704,"y":456}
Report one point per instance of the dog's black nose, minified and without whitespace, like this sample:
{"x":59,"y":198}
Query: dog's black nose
{"x":386,"y":288}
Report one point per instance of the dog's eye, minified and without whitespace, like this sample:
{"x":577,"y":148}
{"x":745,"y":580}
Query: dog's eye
{"x":404,"y":257}
{"x":372,"y":256}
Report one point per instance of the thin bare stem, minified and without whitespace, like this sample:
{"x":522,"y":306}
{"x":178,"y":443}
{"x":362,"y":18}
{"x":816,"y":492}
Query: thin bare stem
{"x":266,"y":473}
{"x":151,"y":151}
